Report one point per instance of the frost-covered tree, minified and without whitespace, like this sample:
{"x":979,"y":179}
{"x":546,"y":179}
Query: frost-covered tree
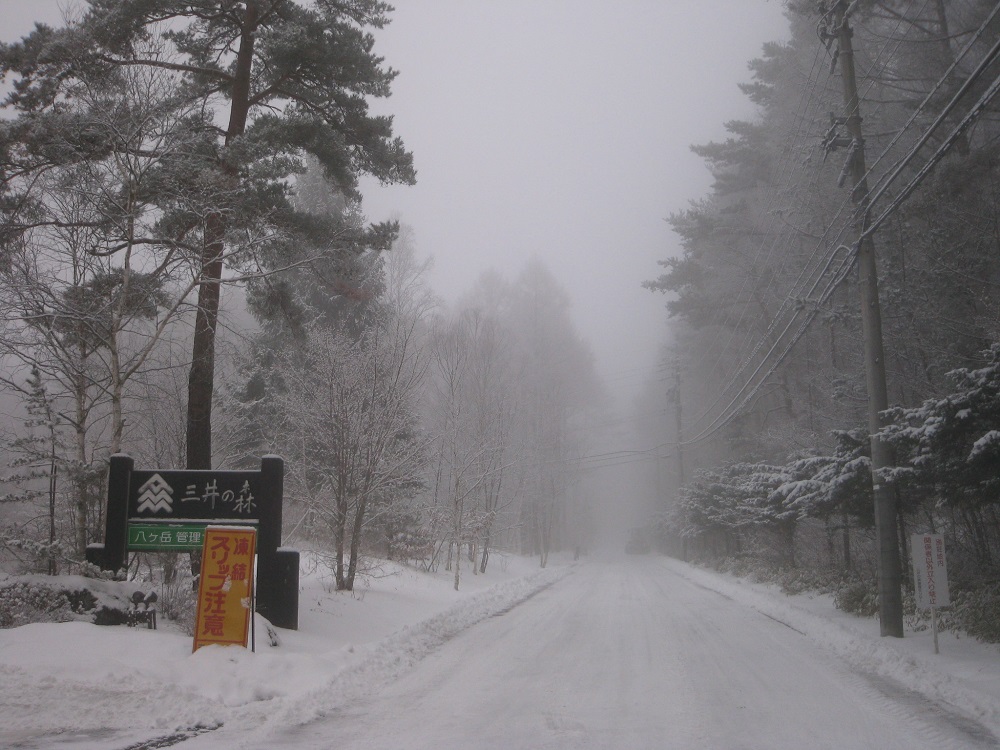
{"x":738,"y":504}
{"x":761,"y":292}
{"x":470,"y":405}
{"x":271,"y":80}
{"x":89,"y":286}
{"x":948,"y":452}
{"x":837,"y":486}
{"x":37,"y":458}
{"x":338,"y":398}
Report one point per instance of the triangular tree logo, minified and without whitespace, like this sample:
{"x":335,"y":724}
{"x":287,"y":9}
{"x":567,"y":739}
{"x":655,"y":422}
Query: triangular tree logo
{"x":156,"y":495}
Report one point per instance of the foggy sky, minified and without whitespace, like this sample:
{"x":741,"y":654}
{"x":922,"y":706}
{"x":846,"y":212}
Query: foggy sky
{"x":561,"y":129}
{"x":557,"y":129}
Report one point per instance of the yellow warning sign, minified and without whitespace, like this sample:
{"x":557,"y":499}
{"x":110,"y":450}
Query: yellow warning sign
{"x":225,"y":593}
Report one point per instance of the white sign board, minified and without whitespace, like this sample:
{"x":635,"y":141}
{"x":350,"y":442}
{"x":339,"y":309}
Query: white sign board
{"x":930,"y":570}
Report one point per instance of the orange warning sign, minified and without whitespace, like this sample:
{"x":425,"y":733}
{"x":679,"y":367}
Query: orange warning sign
{"x":225,"y":593}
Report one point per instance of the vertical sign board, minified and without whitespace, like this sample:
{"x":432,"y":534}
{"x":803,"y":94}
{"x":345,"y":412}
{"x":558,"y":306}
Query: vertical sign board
{"x":930,"y":571}
{"x":930,"y":576}
{"x":225,"y":591}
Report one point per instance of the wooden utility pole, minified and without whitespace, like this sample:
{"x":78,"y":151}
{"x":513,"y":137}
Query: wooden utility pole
{"x":678,"y":424}
{"x":675,"y":393}
{"x":889,"y":567}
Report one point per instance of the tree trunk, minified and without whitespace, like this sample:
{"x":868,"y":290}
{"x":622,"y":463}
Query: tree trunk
{"x":903,"y":540}
{"x":484,"y":559}
{"x":201,"y":380}
{"x":352,"y":566}
{"x":788,"y":531}
{"x":117,"y":384}
{"x":544,"y":531}
{"x":80,"y":502}
{"x":53,"y":467}
{"x":340,"y":539}
{"x":846,"y":526}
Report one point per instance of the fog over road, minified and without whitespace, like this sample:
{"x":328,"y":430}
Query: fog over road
{"x":629,"y":655}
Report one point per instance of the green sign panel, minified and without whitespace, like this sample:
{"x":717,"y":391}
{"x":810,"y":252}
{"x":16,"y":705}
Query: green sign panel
{"x":166,"y":537}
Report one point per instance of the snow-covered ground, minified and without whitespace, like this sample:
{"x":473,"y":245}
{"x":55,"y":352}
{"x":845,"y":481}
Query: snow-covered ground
{"x":83,"y":686}
{"x":965,"y":674}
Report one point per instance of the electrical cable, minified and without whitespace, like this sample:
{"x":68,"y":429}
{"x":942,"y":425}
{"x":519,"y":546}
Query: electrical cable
{"x":793,"y":297}
{"x":845,"y":266}
{"x":969,"y":118}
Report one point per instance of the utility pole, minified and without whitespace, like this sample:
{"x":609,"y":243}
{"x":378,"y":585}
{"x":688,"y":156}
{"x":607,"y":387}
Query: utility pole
{"x":887,"y":537}
{"x":675,"y":393}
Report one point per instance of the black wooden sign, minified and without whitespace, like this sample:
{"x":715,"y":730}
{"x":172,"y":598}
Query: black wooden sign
{"x":210,"y":495}
{"x":147,"y":510}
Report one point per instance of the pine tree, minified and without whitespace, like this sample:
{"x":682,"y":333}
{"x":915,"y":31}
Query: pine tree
{"x":285,"y":80}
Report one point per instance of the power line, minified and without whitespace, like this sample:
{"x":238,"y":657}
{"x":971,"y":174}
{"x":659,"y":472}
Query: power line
{"x":728,"y":413}
{"x":793,"y":299}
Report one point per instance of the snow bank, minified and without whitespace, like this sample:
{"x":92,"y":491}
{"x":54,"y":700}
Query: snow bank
{"x":80,"y":683}
{"x":966,"y":674}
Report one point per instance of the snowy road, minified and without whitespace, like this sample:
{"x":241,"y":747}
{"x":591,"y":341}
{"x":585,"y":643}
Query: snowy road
{"x":630,"y":655}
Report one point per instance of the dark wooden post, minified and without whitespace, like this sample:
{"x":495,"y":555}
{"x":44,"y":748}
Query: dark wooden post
{"x":112,"y":555}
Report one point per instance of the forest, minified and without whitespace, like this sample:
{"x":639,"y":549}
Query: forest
{"x":187,"y":276}
{"x":768,"y":368}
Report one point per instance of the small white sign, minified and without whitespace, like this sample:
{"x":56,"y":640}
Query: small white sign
{"x":930,"y":570}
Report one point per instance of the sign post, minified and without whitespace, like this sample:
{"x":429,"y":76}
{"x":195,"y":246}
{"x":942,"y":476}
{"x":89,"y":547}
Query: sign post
{"x":225,"y":590}
{"x":930,"y":576}
{"x":169,"y":510}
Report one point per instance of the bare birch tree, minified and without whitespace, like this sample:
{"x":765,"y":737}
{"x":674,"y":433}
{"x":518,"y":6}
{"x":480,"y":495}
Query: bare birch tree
{"x":348,"y":417}
{"x":90,"y":284}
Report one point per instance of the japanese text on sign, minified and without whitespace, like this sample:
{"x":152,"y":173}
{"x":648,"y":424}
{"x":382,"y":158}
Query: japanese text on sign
{"x":239,"y":503}
{"x":226,"y":587}
{"x":153,"y":537}
{"x":930,"y":570}
{"x":211,"y":495}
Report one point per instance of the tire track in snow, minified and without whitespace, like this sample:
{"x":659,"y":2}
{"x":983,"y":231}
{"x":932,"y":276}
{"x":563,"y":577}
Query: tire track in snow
{"x":947,"y":726}
{"x":382,"y":662}
{"x":168,"y":740}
